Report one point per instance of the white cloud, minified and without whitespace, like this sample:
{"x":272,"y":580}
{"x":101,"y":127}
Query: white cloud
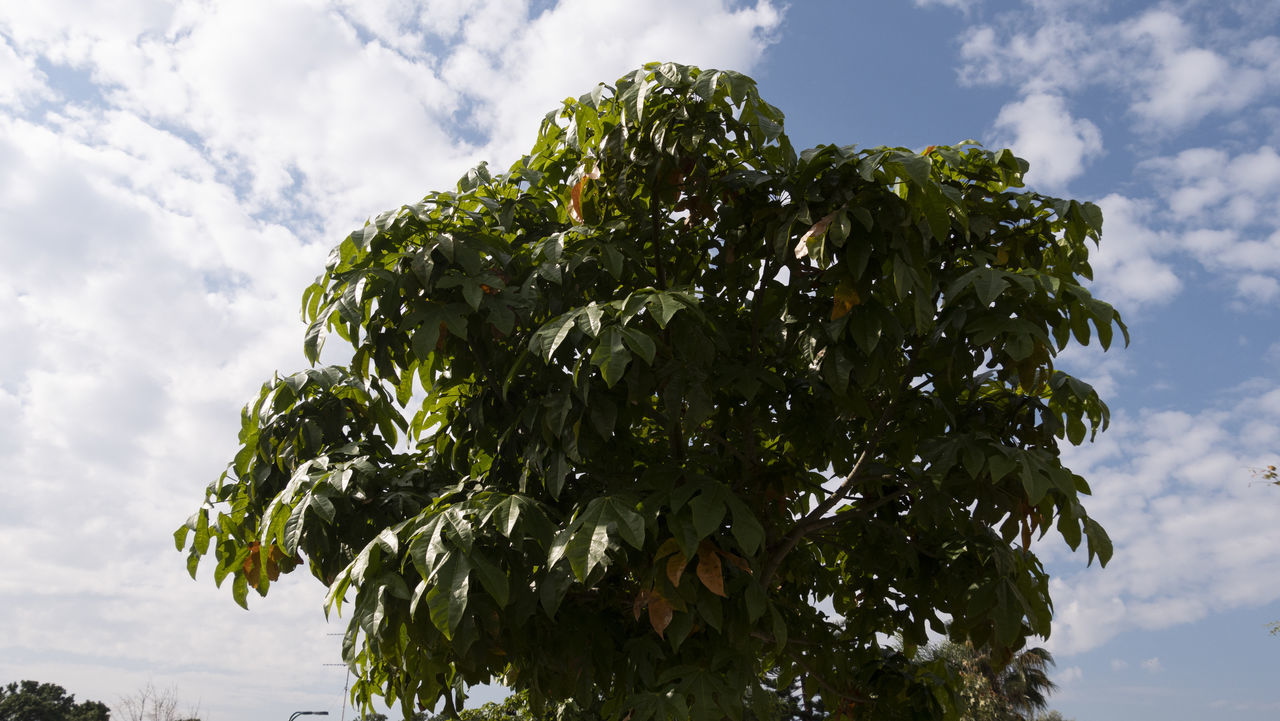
{"x":1172,"y":72}
{"x":21,"y":82}
{"x":534,"y":69}
{"x":1128,"y":266}
{"x":157,"y":232}
{"x":1192,"y":535}
{"x":1069,"y":675}
{"x":353,"y":109}
{"x":1035,"y":61}
{"x":1224,"y":212}
{"x":1152,"y":665}
{"x":1041,"y":129}
{"x":1254,"y":288}
{"x":1208,"y":185}
{"x":1118,"y":664}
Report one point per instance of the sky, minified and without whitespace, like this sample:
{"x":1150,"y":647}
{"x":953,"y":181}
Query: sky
{"x":172,"y":175}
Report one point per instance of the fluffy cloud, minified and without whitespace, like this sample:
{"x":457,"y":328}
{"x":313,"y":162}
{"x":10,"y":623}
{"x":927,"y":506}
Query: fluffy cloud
{"x":1227,"y":214}
{"x":1174,"y":71}
{"x":1204,"y":185}
{"x":23,"y":82}
{"x":190,"y":165}
{"x":1192,"y":535}
{"x":1069,"y":675}
{"x":1170,"y":67}
{"x":1043,"y":131}
{"x":1129,"y":266}
{"x":527,"y":73}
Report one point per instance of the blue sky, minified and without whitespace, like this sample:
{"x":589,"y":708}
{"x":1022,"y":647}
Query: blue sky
{"x":172,"y":174}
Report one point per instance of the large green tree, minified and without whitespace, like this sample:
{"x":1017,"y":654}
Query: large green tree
{"x":35,"y":701}
{"x":616,"y":418}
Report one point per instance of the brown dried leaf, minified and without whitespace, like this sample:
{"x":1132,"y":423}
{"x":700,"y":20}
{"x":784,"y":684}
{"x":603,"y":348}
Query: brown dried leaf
{"x":251,"y":565}
{"x":660,"y":614}
{"x":820,"y":227}
{"x":575,"y":195}
{"x":675,"y":568}
{"x":710,"y":572}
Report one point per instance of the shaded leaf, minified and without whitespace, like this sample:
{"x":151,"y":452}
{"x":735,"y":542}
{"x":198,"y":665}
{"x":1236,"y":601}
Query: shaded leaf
{"x":709,"y":570}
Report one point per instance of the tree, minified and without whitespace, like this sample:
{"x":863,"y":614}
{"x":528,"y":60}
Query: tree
{"x":1024,"y":682}
{"x":152,"y":704}
{"x":615,"y":418}
{"x":35,"y":701}
{"x":988,"y":691}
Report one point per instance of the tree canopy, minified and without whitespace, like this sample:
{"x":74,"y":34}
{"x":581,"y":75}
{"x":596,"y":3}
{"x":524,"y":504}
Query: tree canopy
{"x":35,"y":701}
{"x":615,"y":420}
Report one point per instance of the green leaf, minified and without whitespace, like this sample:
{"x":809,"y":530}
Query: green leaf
{"x":1034,"y":483}
{"x":1099,"y":542}
{"x":550,"y":336}
{"x":988,"y":284}
{"x":240,"y":589}
{"x":916,"y":167}
{"x":630,"y":524}
{"x":709,"y":509}
{"x":611,"y":356}
{"x":746,"y":528}
{"x":293,"y":527}
{"x":506,"y":514}
{"x":1001,"y":465}
{"x":472,"y":293}
{"x":591,"y":315}
{"x":664,"y":305}
{"x":449,"y":592}
{"x":640,"y":343}
{"x":588,"y":545}
{"x":492,"y":578}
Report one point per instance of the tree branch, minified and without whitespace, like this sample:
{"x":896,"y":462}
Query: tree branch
{"x":859,"y":512}
{"x":802,"y":526}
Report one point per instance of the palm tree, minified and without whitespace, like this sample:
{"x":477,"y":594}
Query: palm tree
{"x":1024,"y":683}
{"x":1017,"y":691}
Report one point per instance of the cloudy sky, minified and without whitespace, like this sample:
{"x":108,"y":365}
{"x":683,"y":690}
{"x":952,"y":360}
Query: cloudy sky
{"x":172,"y":174}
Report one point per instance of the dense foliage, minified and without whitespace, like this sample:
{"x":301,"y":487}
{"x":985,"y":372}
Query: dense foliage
{"x":616,"y":418}
{"x":35,"y":701}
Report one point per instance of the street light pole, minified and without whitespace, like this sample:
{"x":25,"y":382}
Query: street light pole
{"x":296,"y":714}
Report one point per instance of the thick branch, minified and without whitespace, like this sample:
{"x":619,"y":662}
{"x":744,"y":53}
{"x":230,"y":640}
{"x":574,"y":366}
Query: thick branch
{"x":804,"y":526}
{"x":861,"y":512}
